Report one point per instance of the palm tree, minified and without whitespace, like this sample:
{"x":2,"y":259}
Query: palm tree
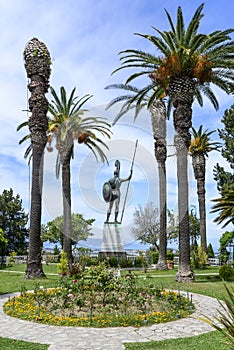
{"x":66,"y":126}
{"x":188,"y":63}
{"x":199,"y":148}
{"x":158,"y":121}
{"x":224,"y":205}
{"x":37,"y":65}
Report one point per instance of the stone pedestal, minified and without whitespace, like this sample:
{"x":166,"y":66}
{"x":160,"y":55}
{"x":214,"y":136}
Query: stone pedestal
{"x":112,"y":244}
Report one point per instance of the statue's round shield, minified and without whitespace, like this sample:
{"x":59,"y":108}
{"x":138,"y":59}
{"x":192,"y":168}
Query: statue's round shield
{"x":107,"y":192}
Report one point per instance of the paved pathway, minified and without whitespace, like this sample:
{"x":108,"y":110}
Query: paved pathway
{"x":78,"y":338}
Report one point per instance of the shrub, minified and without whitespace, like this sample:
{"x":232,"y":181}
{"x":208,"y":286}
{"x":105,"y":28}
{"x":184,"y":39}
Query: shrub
{"x":225,"y":318}
{"x":226,"y":272}
{"x":125,"y":263}
{"x":170,"y":256}
{"x":113,"y":261}
{"x":10,"y":261}
{"x":62,"y":265}
{"x":155,"y":256}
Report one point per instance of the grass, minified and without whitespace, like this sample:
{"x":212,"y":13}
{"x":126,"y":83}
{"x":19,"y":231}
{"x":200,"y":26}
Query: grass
{"x":208,"y":341}
{"x":13,"y":280}
{"x":11,"y":344}
{"x":206,"y":283}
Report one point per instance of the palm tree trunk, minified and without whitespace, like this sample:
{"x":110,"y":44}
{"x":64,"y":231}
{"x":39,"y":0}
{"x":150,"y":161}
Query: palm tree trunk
{"x":185,"y":273}
{"x":158,"y":113}
{"x":181,"y":91}
{"x":202,"y":212}
{"x":199,"y":168}
{"x":67,"y":231}
{"x":162,"y":260}
{"x":37,"y":65}
{"x":34,"y":264}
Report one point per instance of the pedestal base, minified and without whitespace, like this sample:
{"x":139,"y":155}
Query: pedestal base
{"x":112,"y":244}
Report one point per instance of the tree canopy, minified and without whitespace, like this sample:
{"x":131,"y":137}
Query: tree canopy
{"x":53,"y":230}
{"x":13,"y":221}
{"x":146,"y":225}
{"x":224,"y":178}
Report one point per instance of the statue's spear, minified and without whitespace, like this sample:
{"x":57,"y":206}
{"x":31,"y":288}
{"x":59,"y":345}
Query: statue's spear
{"x":125,"y":199}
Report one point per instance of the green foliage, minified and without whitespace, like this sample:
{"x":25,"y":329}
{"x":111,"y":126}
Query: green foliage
{"x":199,"y":257}
{"x":66,"y":125}
{"x":227,"y":135}
{"x":224,"y":205}
{"x":13,"y":221}
{"x":3,"y":241}
{"x":182,"y":52}
{"x":63,"y":264}
{"x":225,"y":240}
{"x":226,"y":318}
{"x":210,"y":251}
{"x":201,"y":142}
{"x":125,"y":263}
{"x":226,"y":272}
{"x":56,"y":250}
{"x":113,"y":261}
{"x":225,"y":179}
{"x":53,"y":230}
{"x":170,"y":256}
{"x":140,"y":261}
{"x":12,"y":344}
{"x":194,"y":227}
{"x":10,"y":259}
{"x":105,"y":298}
{"x":208,"y":341}
{"x":155,"y":257}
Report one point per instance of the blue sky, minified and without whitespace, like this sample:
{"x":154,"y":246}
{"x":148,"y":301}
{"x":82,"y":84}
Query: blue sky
{"x":84,"y":38}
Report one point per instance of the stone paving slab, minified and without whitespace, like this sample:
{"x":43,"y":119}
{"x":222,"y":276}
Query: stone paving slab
{"x":79,"y":338}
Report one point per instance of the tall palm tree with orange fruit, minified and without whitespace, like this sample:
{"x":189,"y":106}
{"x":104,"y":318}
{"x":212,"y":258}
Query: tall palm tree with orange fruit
{"x":67,"y":125}
{"x":188,"y":63}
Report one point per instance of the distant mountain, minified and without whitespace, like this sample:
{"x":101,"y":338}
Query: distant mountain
{"x":96,"y":243}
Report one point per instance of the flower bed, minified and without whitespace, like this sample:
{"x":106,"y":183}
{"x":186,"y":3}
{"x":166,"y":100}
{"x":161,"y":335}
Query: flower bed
{"x":100,"y":299}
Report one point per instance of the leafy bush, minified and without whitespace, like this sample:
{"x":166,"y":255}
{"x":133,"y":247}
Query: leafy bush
{"x":199,"y":257}
{"x":170,"y":256}
{"x":126,"y":263}
{"x":226,"y":272}
{"x":62,"y":265}
{"x":113,"y":261}
{"x":155,"y":256}
{"x":10,"y":261}
{"x":100,"y":297}
{"x":225,"y":317}
{"x":140,"y":261}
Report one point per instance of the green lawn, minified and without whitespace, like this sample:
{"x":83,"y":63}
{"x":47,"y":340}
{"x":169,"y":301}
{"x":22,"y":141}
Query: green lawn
{"x":208,"y":341}
{"x":207,"y":283}
{"x":10,"y":344}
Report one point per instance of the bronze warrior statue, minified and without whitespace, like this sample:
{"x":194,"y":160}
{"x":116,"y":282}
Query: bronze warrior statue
{"x":111,"y":191}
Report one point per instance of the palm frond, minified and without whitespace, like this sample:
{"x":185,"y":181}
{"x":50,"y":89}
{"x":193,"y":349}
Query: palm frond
{"x":27,"y":152}
{"x":57,"y":166}
{"x":193,"y":26}
{"x":25,"y":138}
{"x":170,"y":21}
{"x":180,"y":25}
{"x":22,"y":125}
{"x":224,"y":205}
